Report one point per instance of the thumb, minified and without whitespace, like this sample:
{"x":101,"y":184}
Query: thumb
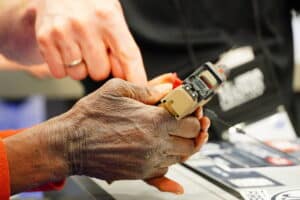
{"x":151,"y":95}
{"x":164,"y":78}
{"x":165,"y":184}
{"x":136,"y":75}
{"x":159,"y":91}
{"x":146,"y":95}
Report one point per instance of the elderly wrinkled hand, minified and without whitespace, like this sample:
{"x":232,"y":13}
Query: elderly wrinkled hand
{"x":115,"y":133}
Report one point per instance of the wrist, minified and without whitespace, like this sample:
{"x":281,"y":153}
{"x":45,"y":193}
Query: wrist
{"x":55,"y":142}
{"x":66,"y":139}
{"x":32,"y":161}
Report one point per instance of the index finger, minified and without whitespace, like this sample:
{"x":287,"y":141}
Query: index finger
{"x":126,"y":50}
{"x":164,"y":78}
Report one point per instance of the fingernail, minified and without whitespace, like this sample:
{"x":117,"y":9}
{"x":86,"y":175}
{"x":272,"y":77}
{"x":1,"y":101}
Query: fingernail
{"x":206,"y":129}
{"x":162,"y":88}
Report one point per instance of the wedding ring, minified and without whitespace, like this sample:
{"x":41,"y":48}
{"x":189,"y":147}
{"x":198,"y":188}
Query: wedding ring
{"x":75,"y":63}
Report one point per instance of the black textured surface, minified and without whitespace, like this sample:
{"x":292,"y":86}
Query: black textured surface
{"x":79,"y":188}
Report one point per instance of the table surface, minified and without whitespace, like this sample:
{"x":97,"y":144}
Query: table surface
{"x":194,"y":185}
{"x":81,"y":187}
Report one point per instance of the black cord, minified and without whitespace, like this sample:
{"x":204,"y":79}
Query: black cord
{"x":258,"y":30}
{"x":261,"y":43}
{"x":214,"y":117}
{"x":182,"y":15}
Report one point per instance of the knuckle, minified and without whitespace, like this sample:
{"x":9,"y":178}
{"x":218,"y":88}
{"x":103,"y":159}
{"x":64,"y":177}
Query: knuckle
{"x":57,"y":32}
{"x":117,"y":85}
{"x":74,"y":22}
{"x":80,"y":104}
{"x":108,"y":11}
{"x":100,"y":75}
{"x":79,"y":26}
{"x":86,"y":105}
{"x":43,"y":39}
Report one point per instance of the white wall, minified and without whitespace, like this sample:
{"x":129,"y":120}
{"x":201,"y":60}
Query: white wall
{"x":296,"y":30}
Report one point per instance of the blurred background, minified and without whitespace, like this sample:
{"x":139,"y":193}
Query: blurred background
{"x":29,"y":95}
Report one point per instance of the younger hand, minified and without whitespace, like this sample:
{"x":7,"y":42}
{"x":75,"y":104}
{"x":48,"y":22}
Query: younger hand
{"x":92,"y":31}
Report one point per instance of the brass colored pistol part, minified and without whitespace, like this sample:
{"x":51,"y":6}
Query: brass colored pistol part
{"x":196,"y":90}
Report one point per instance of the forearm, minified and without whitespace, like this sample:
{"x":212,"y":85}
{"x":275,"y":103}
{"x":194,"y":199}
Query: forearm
{"x":34,"y":159}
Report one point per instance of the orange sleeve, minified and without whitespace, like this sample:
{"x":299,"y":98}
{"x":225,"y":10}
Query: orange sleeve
{"x":4,"y":170}
{"x":4,"y":174}
{"x":7,"y":133}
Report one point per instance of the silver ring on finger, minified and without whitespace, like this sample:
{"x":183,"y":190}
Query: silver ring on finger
{"x":75,"y":63}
